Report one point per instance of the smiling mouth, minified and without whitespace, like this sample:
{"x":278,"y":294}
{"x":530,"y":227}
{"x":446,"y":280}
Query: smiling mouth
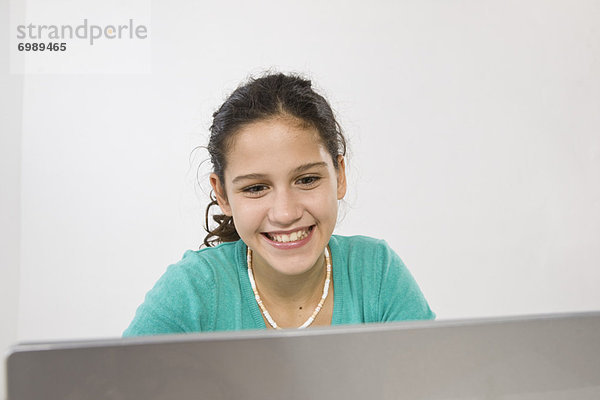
{"x":290,"y":236}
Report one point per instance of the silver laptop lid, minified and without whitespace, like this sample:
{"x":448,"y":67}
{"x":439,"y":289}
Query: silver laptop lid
{"x":523,"y":358}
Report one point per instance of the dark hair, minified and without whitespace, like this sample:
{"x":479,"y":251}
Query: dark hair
{"x":269,"y":96}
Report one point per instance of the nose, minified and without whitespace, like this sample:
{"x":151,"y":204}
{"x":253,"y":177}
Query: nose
{"x":285,"y":208}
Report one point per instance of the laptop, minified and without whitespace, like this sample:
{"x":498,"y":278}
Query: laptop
{"x":520,"y":358}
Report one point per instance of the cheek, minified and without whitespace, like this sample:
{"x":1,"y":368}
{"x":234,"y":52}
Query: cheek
{"x":247,"y":214}
{"x":324,"y":205}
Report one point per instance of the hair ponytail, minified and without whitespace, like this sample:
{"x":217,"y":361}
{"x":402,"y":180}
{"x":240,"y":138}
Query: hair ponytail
{"x":225,"y":230}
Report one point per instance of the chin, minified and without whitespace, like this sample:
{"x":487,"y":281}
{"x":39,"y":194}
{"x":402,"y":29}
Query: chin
{"x":289,"y":262}
{"x":293,"y":265}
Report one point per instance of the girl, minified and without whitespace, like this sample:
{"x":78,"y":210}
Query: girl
{"x":272,"y":262}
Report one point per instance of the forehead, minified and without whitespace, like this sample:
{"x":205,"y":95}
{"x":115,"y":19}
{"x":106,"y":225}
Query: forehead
{"x":274,"y":145}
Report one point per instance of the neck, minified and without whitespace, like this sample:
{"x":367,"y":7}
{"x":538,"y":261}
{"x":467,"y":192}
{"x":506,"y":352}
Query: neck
{"x":289,"y":290}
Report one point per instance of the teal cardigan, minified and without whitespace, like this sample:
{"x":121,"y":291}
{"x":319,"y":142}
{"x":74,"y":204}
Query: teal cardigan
{"x":209,"y":290}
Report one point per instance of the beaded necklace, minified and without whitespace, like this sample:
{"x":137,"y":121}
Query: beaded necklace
{"x":263,"y":309}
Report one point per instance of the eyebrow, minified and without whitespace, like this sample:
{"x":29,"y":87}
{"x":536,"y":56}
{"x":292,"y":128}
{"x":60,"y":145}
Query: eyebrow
{"x":296,"y":170}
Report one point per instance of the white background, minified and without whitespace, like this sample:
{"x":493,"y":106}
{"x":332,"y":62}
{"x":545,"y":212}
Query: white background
{"x":474,"y":129}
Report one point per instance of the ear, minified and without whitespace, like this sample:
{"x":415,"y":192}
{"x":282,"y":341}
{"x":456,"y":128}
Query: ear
{"x":341,"y":177}
{"x":219,"y":190}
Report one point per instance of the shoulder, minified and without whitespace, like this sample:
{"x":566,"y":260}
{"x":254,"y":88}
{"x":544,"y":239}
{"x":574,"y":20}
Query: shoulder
{"x":356,"y":243}
{"x":379,"y":278}
{"x":357,"y":240}
{"x":358,"y":249}
{"x":227,"y":252}
{"x":184,"y":298}
{"x":199,"y":272}
{"x":205,"y":260}
{"x":364,"y":261}
{"x":370,"y":257}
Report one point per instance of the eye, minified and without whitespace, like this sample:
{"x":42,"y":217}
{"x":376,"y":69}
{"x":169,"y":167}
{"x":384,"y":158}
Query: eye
{"x":309,"y":181}
{"x":255,"y":190}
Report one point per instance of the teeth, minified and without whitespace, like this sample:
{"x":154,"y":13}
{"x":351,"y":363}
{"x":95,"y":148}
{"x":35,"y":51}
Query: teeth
{"x":294,"y":236}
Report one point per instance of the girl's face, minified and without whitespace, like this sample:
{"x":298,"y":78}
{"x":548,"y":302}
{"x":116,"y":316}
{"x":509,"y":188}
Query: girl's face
{"x":282,"y":189}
